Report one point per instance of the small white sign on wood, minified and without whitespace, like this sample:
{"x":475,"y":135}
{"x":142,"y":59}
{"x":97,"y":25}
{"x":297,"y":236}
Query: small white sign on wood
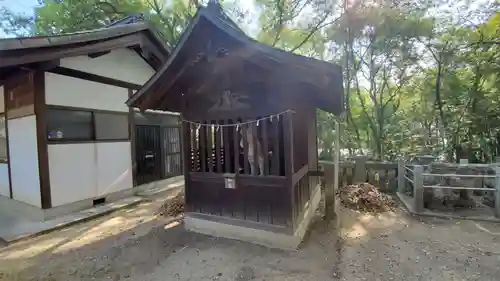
{"x":230,"y":182}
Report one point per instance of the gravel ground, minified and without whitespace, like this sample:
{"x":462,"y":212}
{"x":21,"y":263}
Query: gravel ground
{"x":398,"y":247}
{"x":136,"y":245}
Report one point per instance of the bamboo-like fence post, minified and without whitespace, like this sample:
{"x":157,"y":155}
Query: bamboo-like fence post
{"x":401,"y":175}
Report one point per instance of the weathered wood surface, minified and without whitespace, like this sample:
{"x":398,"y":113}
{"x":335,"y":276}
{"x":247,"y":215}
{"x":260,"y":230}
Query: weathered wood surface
{"x":254,"y":198}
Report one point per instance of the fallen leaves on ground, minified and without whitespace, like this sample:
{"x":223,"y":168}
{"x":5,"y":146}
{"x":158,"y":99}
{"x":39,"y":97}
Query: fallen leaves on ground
{"x":173,"y":207}
{"x":365,"y":197}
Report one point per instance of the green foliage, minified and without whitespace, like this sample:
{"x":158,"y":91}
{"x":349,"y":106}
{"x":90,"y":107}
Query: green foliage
{"x":56,"y":17}
{"x":421,"y":76}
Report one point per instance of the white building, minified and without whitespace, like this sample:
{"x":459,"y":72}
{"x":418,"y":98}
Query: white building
{"x":67,"y":138}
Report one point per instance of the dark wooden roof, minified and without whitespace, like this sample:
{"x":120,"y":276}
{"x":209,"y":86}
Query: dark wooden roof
{"x":27,"y":51}
{"x":320,"y":81}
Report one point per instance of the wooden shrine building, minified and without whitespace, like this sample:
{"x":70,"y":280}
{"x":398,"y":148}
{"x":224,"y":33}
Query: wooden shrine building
{"x":249,"y":129}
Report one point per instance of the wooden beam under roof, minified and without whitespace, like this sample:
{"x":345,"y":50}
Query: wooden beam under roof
{"x":93,"y":77}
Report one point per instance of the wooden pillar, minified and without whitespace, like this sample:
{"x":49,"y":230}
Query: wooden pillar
{"x":332,"y":180}
{"x":336,"y":159}
{"x":288,"y":144}
{"x":131,"y":121}
{"x":418,"y":188}
{"x":40,"y":107}
{"x":330,"y":171}
{"x":312,"y":144}
{"x":6,"y":124}
{"x":289,"y":169}
{"x":185,"y":138}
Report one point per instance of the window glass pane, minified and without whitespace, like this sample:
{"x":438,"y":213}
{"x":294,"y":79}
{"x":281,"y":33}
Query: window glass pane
{"x":63,"y":124}
{"x":3,"y":139}
{"x":111,"y":126}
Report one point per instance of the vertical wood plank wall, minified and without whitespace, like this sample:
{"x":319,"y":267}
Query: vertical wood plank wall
{"x":214,"y":151}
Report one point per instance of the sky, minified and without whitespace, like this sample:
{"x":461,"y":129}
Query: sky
{"x":458,"y":8}
{"x":23,"y":6}
{"x":27,"y":7}
{"x":19,"y":6}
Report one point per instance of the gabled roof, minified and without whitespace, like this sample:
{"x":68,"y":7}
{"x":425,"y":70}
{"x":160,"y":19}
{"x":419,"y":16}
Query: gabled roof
{"x":324,"y":77}
{"x":140,"y":36}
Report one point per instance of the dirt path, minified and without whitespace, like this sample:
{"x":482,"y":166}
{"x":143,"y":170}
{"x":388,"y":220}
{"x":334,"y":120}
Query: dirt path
{"x":136,"y":245}
{"x":398,"y":247}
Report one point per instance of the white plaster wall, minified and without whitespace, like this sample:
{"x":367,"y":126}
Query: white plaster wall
{"x":121,"y":64}
{"x":73,"y":172}
{"x":114,"y":165}
{"x":24,"y":160}
{"x":88,"y":170}
{"x":4,"y":180}
{"x":68,"y":91}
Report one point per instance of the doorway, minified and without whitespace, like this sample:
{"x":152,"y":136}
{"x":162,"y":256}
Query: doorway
{"x":157,"y":147}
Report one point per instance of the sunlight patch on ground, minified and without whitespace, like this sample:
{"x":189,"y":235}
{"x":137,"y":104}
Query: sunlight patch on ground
{"x":104,"y":230}
{"x":32,"y":250}
{"x":356,"y":231}
{"x":136,"y":219}
{"x":361,"y":226}
{"x":480,"y":227}
{"x":74,"y":238}
{"x":379,"y":221}
{"x":171,"y":196}
{"x":172,"y":224}
{"x":177,"y":184}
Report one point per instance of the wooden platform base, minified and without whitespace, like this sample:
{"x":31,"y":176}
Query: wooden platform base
{"x":258,"y":233}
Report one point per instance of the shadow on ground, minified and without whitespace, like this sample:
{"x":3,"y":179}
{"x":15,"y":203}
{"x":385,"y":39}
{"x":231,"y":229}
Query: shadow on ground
{"x":160,"y":249}
{"x":134,"y":245}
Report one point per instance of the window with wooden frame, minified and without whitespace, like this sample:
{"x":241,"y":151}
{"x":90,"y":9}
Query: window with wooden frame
{"x":71,"y":125}
{"x":76,"y":125}
{"x":111,"y":126}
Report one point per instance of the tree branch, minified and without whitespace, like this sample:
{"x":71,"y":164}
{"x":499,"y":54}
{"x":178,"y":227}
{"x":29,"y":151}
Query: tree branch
{"x":317,"y":27}
{"x":279,"y":27}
